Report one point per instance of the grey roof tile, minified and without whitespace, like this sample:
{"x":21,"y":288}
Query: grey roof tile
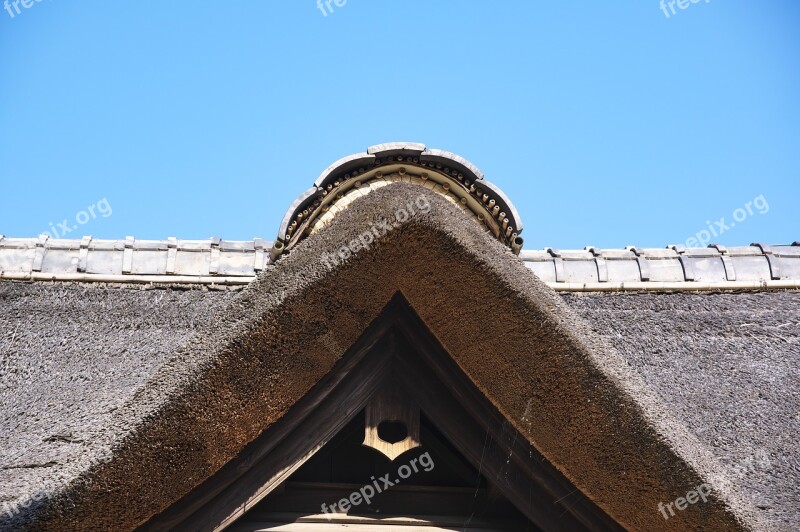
{"x":240,"y":261}
{"x":133,"y":257}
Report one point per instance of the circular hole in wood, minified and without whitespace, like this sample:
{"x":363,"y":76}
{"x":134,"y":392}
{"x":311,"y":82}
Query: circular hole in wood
{"x":392,"y":431}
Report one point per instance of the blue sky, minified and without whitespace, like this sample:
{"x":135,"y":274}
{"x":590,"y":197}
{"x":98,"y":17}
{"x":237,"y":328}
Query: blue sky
{"x":606,"y":123}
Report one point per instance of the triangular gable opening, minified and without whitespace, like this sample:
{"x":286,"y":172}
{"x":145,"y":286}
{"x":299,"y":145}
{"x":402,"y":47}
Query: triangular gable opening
{"x":465,"y":467}
{"x":364,"y":489}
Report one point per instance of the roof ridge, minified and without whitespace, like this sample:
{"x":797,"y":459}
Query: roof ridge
{"x":215,"y":261}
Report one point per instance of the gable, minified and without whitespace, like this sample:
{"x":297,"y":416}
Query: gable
{"x":396,"y":353}
{"x":516,"y":341}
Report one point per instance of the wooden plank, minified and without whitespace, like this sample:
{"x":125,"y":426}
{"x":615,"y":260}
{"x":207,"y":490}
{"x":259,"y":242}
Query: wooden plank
{"x":467,"y":418}
{"x":220,"y":498}
{"x":398,"y":500}
{"x":416,"y":520}
{"x":391,"y":404}
{"x":320,"y":426}
{"x":360,"y":527}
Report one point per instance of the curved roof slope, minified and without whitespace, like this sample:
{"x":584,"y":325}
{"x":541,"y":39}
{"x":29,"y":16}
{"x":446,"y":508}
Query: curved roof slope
{"x":70,"y":357}
{"x":214,"y":388}
{"x":727,"y":365}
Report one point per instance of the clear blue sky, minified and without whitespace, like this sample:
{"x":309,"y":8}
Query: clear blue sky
{"x":607,"y":123}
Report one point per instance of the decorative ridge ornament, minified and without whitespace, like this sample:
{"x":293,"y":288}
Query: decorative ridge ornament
{"x":356,"y":175}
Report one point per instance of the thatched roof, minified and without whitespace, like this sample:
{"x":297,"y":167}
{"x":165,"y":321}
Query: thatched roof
{"x":71,"y":356}
{"x":727,"y":366}
{"x":116,"y":401}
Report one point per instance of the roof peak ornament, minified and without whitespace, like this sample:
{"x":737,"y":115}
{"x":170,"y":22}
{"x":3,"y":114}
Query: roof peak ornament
{"x":440,"y":171}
